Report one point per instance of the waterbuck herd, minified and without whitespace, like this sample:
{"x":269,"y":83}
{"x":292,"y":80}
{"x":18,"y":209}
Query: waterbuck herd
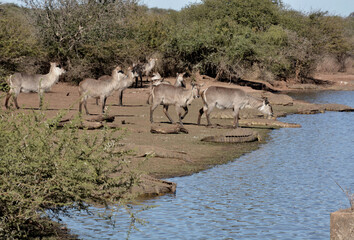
{"x":161,"y":92}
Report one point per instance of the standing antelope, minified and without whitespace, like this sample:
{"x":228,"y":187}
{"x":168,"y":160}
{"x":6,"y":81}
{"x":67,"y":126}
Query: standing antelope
{"x":124,"y":83}
{"x":237,"y":99}
{"x":167,"y":95}
{"x":23,"y":82}
{"x":157,"y":80}
{"x":180,"y":80}
{"x":144,"y":69}
{"x":99,"y":88}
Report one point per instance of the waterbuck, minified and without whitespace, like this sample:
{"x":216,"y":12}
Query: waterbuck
{"x":167,"y":95}
{"x":144,"y":69}
{"x":124,"y":83}
{"x":226,"y":98}
{"x":99,"y":88}
{"x":157,"y":80}
{"x":23,"y":82}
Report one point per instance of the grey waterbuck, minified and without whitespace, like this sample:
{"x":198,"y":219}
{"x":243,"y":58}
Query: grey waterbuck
{"x":144,"y":69}
{"x":124,"y":83}
{"x":235,"y":99}
{"x":167,"y":95}
{"x":23,"y":82}
{"x":157,"y":80}
{"x":99,"y":88}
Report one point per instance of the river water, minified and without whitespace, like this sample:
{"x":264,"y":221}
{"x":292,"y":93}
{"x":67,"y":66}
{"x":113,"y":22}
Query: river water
{"x":283,"y":190}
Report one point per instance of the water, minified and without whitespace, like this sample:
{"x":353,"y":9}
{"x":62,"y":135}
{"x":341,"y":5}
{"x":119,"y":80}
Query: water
{"x":284,"y":190}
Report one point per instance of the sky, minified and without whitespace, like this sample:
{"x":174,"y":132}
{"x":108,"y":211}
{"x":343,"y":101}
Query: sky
{"x":334,"y":7}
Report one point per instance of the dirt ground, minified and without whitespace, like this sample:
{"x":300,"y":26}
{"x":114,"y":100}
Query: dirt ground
{"x":182,"y":154}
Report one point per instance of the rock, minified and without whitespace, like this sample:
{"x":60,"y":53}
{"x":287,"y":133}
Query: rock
{"x":342,"y":225}
{"x":150,"y":187}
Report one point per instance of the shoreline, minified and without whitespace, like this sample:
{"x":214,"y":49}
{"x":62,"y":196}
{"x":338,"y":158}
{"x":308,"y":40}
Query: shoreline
{"x":159,"y":156}
{"x":175,"y":155}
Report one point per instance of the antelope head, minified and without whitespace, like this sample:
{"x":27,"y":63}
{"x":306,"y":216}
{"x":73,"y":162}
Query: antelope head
{"x":266,"y":108}
{"x":57,"y":68}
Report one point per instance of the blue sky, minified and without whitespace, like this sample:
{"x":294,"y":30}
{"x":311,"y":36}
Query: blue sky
{"x":334,"y":7}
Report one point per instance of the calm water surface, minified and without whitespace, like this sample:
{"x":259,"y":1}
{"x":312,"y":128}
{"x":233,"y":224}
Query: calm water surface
{"x":284,"y":190}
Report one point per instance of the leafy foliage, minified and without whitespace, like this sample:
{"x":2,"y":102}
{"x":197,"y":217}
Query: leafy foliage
{"x":223,"y":38}
{"x":17,"y":36}
{"x":18,"y":42}
{"x":45,"y":171}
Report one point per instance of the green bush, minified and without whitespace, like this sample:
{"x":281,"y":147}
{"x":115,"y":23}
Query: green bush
{"x":17,"y":35}
{"x":19,"y":45}
{"x":45,"y":171}
{"x":223,"y":38}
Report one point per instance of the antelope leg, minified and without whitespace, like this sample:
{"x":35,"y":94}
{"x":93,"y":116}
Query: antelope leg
{"x":165,"y":110}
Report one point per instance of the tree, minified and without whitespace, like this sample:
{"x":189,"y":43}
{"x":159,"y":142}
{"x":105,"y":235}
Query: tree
{"x":86,"y":35}
{"x":18,"y":41}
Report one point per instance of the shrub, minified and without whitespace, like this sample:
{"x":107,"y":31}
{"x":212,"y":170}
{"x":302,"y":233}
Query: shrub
{"x":95,"y":34}
{"x":19,"y":45}
{"x":45,"y":171}
{"x":223,"y":38}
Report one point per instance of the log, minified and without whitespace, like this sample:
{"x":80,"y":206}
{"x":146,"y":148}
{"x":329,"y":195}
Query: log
{"x":168,"y":154}
{"x":258,"y":85}
{"x":100,"y":118}
{"x":266,"y":123}
{"x":91,"y":125}
{"x":168,"y":130}
{"x":83,"y":125}
{"x":89,"y":122}
{"x":258,"y":123}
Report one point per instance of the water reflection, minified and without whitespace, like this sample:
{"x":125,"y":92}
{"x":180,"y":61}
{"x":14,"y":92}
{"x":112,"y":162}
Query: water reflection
{"x":283,"y":190}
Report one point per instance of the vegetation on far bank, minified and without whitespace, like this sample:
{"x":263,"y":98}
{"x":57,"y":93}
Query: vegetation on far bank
{"x":225,"y":39}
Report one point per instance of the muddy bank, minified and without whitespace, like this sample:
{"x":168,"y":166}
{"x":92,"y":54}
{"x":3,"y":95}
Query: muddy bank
{"x":157,"y":155}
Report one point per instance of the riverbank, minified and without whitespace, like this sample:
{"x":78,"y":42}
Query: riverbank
{"x":158,"y":156}
{"x":185,"y":154}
